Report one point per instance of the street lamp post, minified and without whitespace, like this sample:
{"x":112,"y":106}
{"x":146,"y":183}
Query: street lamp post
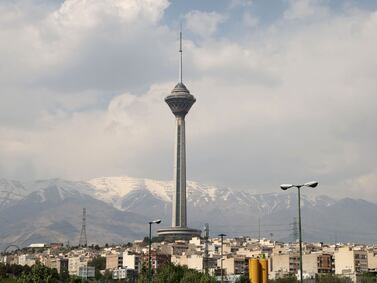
{"x":285,"y":187}
{"x":221,"y":259}
{"x":158,"y":221}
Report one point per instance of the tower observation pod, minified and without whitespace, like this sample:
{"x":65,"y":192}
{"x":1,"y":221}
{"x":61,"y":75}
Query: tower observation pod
{"x":180,"y":102}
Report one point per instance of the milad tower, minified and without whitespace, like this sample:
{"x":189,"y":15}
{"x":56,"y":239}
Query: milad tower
{"x":180,"y":101}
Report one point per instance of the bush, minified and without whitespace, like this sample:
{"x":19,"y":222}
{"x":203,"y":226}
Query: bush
{"x":330,"y":278}
{"x":171,"y":273}
{"x":39,"y":274}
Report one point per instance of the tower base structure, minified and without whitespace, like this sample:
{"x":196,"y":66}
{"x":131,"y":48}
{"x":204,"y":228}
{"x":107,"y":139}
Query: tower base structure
{"x":178,"y":233}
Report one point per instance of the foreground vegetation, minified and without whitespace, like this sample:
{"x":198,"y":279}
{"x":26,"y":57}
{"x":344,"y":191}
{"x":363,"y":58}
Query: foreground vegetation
{"x":169,"y":273}
{"x":176,"y":274}
{"x":42,"y":274}
{"x":329,"y":278}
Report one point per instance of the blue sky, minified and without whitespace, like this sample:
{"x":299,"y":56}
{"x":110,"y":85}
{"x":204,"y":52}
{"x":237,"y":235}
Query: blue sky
{"x":266,"y":11}
{"x":286,"y":91}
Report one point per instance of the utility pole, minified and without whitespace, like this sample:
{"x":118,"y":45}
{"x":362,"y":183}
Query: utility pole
{"x":158,"y":221}
{"x":206,"y":236}
{"x":221,"y":259}
{"x":149,"y":254}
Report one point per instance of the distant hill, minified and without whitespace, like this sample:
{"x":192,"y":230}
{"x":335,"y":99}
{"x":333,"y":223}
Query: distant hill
{"x":118,"y":209}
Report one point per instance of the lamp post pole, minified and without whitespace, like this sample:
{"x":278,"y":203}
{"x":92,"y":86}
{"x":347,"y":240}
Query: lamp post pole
{"x":299,"y":229}
{"x":149,"y":253}
{"x":158,"y":221}
{"x":286,"y":187}
{"x":221,"y":259}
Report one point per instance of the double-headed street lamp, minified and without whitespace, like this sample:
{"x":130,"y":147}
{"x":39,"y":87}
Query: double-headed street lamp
{"x":285,"y":187}
{"x":158,"y":221}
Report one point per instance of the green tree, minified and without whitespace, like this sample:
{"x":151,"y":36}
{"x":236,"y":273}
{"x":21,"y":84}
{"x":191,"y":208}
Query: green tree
{"x":142,"y":276}
{"x":195,"y":276}
{"x":99,"y":263}
{"x":3,"y":272}
{"x":64,"y":275}
{"x":244,"y":278}
{"x":367,"y":277}
{"x":14,"y":270}
{"x":39,"y":274}
{"x":169,"y":274}
{"x":107,"y":276}
{"x":289,"y":279}
{"x":330,"y":278}
{"x":74,"y":280}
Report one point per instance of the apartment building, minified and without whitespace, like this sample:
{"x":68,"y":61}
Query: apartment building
{"x":74,"y":264}
{"x":86,"y":271}
{"x":234,"y":265}
{"x":114,"y":261}
{"x":132,"y":261}
{"x":372,"y":260}
{"x":281,"y":265}
{"x":350,"y":261}
{"x":157,"y":260}
{"x":26,"y":259}
{"x":316,"y":263}
{"x":62,"y":265}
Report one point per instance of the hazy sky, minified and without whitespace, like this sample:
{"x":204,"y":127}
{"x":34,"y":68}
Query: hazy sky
{"x":286,"y":91}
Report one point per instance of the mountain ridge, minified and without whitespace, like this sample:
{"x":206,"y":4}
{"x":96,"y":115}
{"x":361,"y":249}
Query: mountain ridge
{"x":119,"y":208}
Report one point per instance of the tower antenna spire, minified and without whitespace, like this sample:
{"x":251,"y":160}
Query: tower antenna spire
{"x":180,"y":51}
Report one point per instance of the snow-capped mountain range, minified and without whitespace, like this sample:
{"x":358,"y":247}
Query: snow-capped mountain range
{"x":118,"y":208}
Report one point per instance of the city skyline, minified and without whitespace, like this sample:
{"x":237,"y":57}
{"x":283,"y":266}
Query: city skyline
{"x":286,"y":88}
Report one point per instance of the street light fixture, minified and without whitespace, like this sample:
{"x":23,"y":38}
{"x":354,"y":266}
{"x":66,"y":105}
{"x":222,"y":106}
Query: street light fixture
{"x":285,"y":187}
{"x":157,"y":221}
{"x":221,"y":259}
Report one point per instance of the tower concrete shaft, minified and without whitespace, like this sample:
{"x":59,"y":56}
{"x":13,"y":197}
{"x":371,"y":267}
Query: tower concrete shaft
{"x":180,"y":102}
{"x":179,"y":216}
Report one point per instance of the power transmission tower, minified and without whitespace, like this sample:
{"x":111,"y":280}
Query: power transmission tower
{"x":294,"y":230}
{"x":83,"y":241}
{"x":206,"y":236}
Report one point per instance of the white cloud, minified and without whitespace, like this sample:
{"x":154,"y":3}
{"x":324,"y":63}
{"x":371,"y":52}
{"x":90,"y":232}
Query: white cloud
{"x":242,"y":3}
{"x":304,"y":9}
{"x":288,"y":105}
{"x":85,"y":14}
{"x":204,"y":24}
{"x":249,"y":20}
{"x":89,"y":50}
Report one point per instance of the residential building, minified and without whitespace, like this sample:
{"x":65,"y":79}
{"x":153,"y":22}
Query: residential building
{"x":119,"y":273}
{"x":195,"y":262}
{"x":86,"y":271}
{"x":157,"y":260}
{"x":62,"y":265}
{"x":132,"y":261}
{"x":234,"y":265}
{"x":26,"y":259}
{"x":372,"y":260}
{"x":114,"y":261}
{"x":350,"y":261}
{"x":74,"y":264}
